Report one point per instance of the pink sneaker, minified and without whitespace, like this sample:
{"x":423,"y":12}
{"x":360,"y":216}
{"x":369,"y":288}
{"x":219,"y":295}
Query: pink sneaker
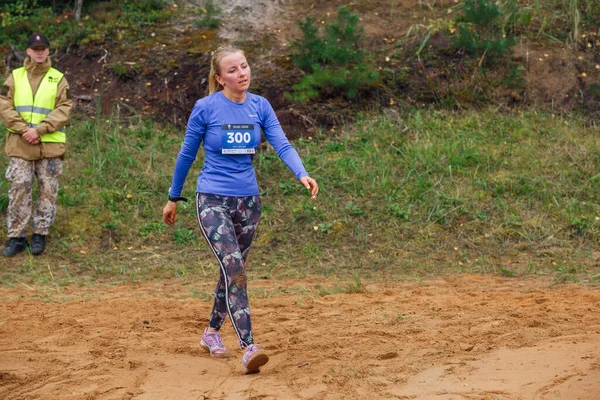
{"x":254,"y":358}
{"x":211,"y":342}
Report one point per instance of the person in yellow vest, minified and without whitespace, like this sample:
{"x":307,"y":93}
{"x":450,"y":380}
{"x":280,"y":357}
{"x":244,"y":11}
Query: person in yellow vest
{"x":35,"y":104}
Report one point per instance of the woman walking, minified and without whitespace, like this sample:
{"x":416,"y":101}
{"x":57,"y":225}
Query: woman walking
{"x":228,"y":124}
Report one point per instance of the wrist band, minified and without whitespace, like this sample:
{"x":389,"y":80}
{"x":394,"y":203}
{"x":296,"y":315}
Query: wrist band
{"x":176,"y":199}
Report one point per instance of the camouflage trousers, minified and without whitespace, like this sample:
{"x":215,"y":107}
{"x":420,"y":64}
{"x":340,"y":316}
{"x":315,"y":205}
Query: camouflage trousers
{"x":228,"y":225}
{"x":20,"y":174}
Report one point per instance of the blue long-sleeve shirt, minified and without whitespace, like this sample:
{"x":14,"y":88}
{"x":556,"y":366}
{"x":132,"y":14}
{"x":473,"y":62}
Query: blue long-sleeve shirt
{"x":230,"y":133}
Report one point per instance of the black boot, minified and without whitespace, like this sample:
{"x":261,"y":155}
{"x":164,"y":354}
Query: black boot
{"x":38,"y":244}
{"x":15,"y":246}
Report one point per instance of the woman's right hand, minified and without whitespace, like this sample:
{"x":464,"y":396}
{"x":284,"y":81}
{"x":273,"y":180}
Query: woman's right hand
{"x":170,"y":212}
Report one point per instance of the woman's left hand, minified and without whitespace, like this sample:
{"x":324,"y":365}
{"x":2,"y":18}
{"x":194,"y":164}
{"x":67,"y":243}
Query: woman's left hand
{"x":311,"y":185}
{"x":170,"y":212}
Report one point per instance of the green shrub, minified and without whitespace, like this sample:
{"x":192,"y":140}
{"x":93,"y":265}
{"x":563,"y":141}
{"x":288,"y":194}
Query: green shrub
{"x":209,"y":16}
{"x":333,"y":61}
{"x":18,"y":18}
{"x":329,"y":81}
{"x":58,"y":6}
{"x":145,"y":6}
{"x":308,"y":50}
{"x":481,"y":12}
{"x":342,"y":38}
{"x":105,"y":21}
{"x":481,"y":30}
{"x":472,"y":42}
{"x":144,"y":12}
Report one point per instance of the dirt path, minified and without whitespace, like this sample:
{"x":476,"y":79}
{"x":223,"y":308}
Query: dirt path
{"x":461,"y":337}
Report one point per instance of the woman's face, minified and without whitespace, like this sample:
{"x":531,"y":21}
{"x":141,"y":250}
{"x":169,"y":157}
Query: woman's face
{"x":234,"y":74}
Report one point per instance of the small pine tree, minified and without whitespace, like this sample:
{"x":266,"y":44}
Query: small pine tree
{"x":308,"y":50}
{"x":333,"y":60}
{"x":480,"y":31}
{"x":481,"y":12}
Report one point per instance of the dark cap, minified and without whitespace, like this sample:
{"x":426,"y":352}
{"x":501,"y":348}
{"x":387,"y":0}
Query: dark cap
{"x":37,"y":40}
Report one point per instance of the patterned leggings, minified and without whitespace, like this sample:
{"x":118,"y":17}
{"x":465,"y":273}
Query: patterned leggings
{"x":228,"y":225}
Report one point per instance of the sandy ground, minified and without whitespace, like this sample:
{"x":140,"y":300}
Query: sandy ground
{"x":460,"y":337}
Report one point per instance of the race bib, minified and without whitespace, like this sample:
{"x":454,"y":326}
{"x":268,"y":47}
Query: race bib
{"x":237,"y":139}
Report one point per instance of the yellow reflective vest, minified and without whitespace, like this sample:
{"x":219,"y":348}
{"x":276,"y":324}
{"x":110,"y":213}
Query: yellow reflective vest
{"x":33,"y":109}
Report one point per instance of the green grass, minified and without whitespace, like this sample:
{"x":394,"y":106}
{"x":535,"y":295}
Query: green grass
{"x":428,"y":194}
